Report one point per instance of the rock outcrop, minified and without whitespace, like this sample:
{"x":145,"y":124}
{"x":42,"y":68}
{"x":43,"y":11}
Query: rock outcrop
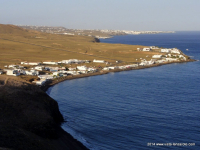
{"x":30,"y":119}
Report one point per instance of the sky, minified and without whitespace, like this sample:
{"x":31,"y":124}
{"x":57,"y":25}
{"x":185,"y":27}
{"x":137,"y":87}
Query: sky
{"x":137,"y":15}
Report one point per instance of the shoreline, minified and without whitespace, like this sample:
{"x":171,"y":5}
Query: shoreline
{"x":71,"y":77}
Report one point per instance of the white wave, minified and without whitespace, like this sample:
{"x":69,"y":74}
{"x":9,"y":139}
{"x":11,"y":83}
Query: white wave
{"x":78,"y":137}
{"x":49,"y":91}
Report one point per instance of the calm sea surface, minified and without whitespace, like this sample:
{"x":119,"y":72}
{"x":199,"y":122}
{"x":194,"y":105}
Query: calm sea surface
{"x":129,"y":110}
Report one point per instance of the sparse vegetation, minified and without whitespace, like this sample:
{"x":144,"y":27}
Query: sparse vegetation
{"x":17,"y":44}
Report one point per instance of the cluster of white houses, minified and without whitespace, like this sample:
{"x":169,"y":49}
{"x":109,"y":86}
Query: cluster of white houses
{"x":55,"y":71}
{"x":16,"y":70}
{"x":69,"y":61}
{"x":163,"y":50}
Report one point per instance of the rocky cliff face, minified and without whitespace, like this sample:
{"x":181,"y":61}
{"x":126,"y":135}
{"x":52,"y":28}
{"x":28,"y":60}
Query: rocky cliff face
{"x":30,"y":119}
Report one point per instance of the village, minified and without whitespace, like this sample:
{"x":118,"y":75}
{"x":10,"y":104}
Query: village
{"x":49,"y":70}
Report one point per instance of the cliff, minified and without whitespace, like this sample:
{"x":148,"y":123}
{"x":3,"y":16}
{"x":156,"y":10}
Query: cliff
{"x":30,"y":119}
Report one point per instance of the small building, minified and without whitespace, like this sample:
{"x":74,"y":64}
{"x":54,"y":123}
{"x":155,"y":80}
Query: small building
{"x":139,"y":49}
{"x":82,"y":68}
{"x":121,"y":67}
{"x":32,"y":72}
{"x":169,"y":55}
{"x":21,"y":71}
{"x":106,"y":68}
{"x":11,"y":66}
{"x":91,"y":69}
{"x":40,"y":82}
{"x":31,"y":63}
{"x":98,"y":61}
{"x":12,"y":72}
{"x":171,"y":59}
{"x":50,"y":63}
{"x":146,"y":49}
{"x":71,"y":68}
{"x":39,"y":68}
{"x":55,"y":73}
{"x":53,"y":69}
{"x":72,"y":72}
{"x":175,"y":50}
{"x":112,"y":67}
{"x":34,"y":63}
{"x":165,"y":50}
{"x":154,"y":47}
{"x":157,"y":56}
{"x":45,"y":76}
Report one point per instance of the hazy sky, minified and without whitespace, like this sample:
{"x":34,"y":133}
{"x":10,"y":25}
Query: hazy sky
{"x":104,"y":14}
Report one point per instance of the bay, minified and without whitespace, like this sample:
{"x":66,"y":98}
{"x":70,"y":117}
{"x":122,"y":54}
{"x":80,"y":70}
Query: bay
{"x":129,"y":110}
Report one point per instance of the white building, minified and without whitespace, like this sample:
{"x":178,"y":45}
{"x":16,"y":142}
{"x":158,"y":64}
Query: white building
{"x":175,"y":50}
{"x":139,"y":49}
{"x":171,"y":59}
{"x":83,"y":68}
{"x":39,"y":68}
{"x":165,"y":50}
{"x":55,"y":73}
{"x":91,"y":69}
{"x":11,"y":66}
{"x":98,"y":61}
{"x":106,"y":68}
{"x":121,"y":67}
{"x":71,"y":69}
{"x":50,"y":63}
{"x":53,"y":69}
{"x":169,"y":55}
{"x":45,"y":76}
{"x":32,"y":72}
{"x":147,"y":63}
{"x":12,"y":72}
{"x":40,"y":82}
{"x":146,"y":49}
{"x":157,"y":56}
{"x":72,"y":72}
{"x":31,"y":63}
{"x":70,"y":61}
{"x":21,"y":71}
{"x":112,"y":67}
{"x":153,"y":47}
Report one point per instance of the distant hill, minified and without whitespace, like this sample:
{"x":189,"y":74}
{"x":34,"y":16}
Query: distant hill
{"x":18,"y":44}
{"x":12,"y":29}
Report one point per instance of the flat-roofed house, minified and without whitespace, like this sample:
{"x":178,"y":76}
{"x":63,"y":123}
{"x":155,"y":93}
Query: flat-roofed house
{"x":82,"y":68}
{"x":12,"y":72}
{"x":50,"y":63}
{"x":175,"y":50}
{"x":99,"y":61}
{"x":146,"y":49}
{"x":165,"y":50}
{"x":157,"y":56}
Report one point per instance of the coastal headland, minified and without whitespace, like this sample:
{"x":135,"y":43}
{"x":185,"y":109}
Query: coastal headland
{"x":29,"y":118}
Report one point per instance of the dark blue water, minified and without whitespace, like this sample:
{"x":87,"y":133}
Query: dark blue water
{"x":128,"y":110}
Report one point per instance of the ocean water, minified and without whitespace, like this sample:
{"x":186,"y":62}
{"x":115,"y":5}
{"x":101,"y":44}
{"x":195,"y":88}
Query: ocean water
{"x":137,"y":109}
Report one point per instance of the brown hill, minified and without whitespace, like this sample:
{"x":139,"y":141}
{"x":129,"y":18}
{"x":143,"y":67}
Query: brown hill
{"x":12,"y":29}
{"x":17,"y":44}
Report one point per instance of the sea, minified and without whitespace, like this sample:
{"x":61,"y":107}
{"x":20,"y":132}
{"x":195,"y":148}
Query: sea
{"x":147,"y":109}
